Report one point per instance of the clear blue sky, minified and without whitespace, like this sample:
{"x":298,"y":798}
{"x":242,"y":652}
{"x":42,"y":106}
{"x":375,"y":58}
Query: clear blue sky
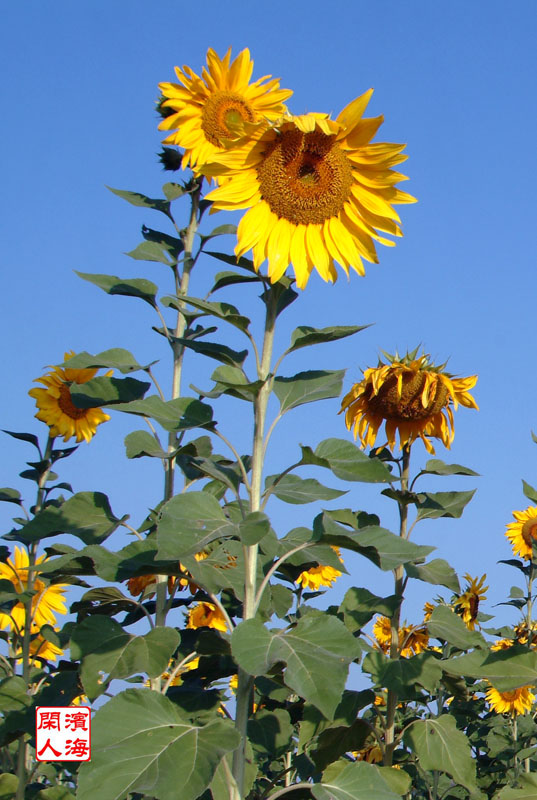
{"x":455,"y":80}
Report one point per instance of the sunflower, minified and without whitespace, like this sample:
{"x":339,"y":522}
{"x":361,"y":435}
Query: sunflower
{"x":467,"y":604}
{"x":412,"y":639}
{"x":46,"y":602}
{"x":502,"y":644}
{"x":371,"y":754}
{"x":206,"y":615}
{"x":411,"y":396}
{"x":515,"y":702}
{"x":57,"y":409}
{"x":177,"y":678}
{"x":208,"y":113}
{"x":319,"y":576}
{"x":522,"y":633}
{"x":523,"y":532}
{"x":40,"y":648}
{"x":317,"y":192}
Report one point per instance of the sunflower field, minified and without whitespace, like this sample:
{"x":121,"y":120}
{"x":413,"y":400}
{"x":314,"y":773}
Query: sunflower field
{"x":208,"y":647}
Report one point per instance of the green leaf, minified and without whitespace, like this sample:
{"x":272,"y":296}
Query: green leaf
{"x":10,"y":496}
{"x":233,"y":381}
{"x":188,"y":523}
{"x":180,"y":414}
{"x":140,"y":742}
{"x":505,"y":669}
{"x":8,"y":786}
{"x":137,"y":199}
{"x":170,"y":244}
{"x":359,"y":605}
{"x":432,"y":505}
{"x":304,"y":335}
{"x":315,"y":647}
{"x":223,"y":782}
{"x":104,"y":391}
{"x":313,"y":723}
{"x":220,"y":352}
{"x":349,"y":463}
{"x":243,"y":263}
{"x":307,"y":387}
{"x":437,"y":467}
{"x":528,"y":790}
{"x":117,"y":357}
{"x":270,"y":732}
{"x":380,"y":546}
{"x":149,"y":251}
{"x":447,"y":625}
{"x":438,"y":572}
{"x":222,"y":569}
{"x":296,"y":490}
{"x":13,"y":694}
{"x":173,"y":191}
{"x":129,"y":287}
{"x":108,"y":652}
{"x":439,"y":745}
{"x":86,"y":515}
{"x":228,"y":278}
{"x":223,"y":311}
{"x":403,"y":674}
{"x":143,"y":443}
{"x":529,"y":492}
{"x":357,"y":781}
{"x":220,"y":230}
{"x":397,"y":779}
{"x":254,"y":528}
{"x":24,"y":437}
{"x":334,"y":742}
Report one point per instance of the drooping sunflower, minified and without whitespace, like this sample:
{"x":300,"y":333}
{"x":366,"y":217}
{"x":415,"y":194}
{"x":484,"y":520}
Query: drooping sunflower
{"x":46,"y":602}
{"x":315,"y":577}
{"x":518,"y":701}
{"x":412,"y":396}
{"x":57,"y":409}
{"x":219,"y":108}
{"x":206,"y":615}
{"x":317,"y":190}
{"x":523,"y":532}
{"x":467,"y":604}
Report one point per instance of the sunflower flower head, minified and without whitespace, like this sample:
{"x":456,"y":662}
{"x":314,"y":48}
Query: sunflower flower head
{"x":40,"y":650}
{"x":317,"y":192}
{"x":315,"y":577}
{"x":517,"y":701}
{"x":523,"y":532}
{"x":56,"y":407}
{"x":412,"y":639}
{"x":411,"y":396}
{"x":206,"y":615}
{"x":207,"y":113}
{"x":467,"y":604}
{"x":46,"y":602}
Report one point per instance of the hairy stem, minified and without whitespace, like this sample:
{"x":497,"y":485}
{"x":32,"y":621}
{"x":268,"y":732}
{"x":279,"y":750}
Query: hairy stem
{"x":391,"y":702}
{"x":245,"y":681}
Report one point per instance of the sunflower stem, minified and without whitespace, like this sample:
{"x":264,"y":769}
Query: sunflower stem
{"x":245,"y":681}
{"x":398,"y":573}
{"x":178,"y":350}
{"x":22,"y":756}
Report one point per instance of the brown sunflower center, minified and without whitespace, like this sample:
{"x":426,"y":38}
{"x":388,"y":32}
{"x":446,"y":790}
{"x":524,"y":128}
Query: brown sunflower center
{"x":305,"y":177}
{"x":529,"y":531}
{"x":222,"y":113}
{"x":408,"y":407}
{"x":66,"y":404}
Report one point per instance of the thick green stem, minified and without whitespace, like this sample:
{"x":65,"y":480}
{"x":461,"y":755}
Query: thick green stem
{"x":391,"y":701}
{"x":178,"y":350}
{"x":22,"y":756}
{"x":245,"y":681}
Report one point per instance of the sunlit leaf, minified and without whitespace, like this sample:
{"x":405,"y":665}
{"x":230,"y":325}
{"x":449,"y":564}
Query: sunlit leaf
{"x":296,"y":490}
{"x":438,"y":572}
{"x":129,"y":287}
{"x":307,"y":387}
{"x":304,"y":335}
{"x":439,"y":745}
